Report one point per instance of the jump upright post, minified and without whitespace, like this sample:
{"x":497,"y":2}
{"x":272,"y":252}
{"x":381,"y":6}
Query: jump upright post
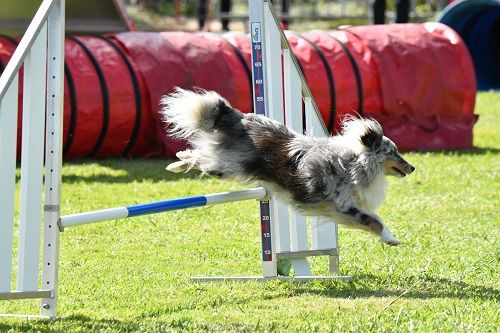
{"x":41,"y":50}
{"x":281,"y":92}
{"x":276,"y":78}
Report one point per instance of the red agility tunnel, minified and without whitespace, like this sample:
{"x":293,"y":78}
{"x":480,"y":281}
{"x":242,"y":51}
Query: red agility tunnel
{"x":163,"y":67}
{"x":416,"y":79}
{"x":427,"y":85}
{"x":215,"y":64}
{"x":7,"y":47}
{"x":107,"y":112}
{"x":188,"y":60}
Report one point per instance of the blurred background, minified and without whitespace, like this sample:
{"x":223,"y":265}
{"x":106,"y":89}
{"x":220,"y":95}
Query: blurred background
{"x":98,"y":16}
{"x":161,"y":15}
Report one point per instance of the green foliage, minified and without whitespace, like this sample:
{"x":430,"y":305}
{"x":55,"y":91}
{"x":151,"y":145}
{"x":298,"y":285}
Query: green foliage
{"x":133,"y":275}
{"x":168,"y":7}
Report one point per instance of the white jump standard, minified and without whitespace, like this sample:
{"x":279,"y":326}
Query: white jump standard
{"x":278,"y":84}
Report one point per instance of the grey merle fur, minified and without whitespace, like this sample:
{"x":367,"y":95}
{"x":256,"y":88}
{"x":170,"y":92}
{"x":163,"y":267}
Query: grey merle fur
{"x":341,"y":177}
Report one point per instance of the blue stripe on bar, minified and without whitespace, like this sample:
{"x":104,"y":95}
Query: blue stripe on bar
{"x":167,"y":205}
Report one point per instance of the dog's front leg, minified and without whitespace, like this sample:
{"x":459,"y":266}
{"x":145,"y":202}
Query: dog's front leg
{"x":193,"y":159}
{"x":187,"y":161}
{"x":372,"y":222}
{"x":386,"y":236}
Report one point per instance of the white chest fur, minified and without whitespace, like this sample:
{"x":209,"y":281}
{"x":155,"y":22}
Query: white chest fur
{"x":370,"y":197}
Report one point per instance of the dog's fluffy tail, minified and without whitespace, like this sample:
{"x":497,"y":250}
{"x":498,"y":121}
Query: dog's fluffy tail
{"x":186,"y":112}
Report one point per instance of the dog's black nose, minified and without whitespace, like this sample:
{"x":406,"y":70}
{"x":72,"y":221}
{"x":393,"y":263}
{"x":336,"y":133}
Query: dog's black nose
{"x":412,"y":168}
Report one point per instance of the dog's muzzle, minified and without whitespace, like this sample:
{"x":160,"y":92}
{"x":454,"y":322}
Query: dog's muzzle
{"x":402,"y":168}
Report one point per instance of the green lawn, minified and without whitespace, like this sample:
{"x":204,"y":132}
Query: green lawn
{"x":133,"y":275}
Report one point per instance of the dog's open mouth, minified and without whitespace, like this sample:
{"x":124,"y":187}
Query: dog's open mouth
{"x":399,"y":172}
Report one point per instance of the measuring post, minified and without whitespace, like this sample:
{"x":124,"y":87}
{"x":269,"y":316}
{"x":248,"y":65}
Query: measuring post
{"x":265,"y":227}
{"x":256,"y":16}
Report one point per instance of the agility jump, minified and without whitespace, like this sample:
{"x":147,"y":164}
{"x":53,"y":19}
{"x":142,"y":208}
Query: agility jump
{"x":41,"y":51}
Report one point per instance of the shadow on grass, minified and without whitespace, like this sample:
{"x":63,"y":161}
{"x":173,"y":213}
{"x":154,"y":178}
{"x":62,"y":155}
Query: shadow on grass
{"x":81,"y":323}
{"x":465,"y":152}
{"x":421,"y":287}
{"x":474,"y":151}
{"x":134,"y":170}
{"x":74,"y":323}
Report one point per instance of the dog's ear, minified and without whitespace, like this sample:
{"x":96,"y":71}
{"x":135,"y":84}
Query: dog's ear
{"x":372,"y":139}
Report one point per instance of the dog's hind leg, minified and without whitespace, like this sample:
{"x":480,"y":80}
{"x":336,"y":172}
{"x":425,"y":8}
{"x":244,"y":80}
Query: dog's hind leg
{"x":373,"y":223}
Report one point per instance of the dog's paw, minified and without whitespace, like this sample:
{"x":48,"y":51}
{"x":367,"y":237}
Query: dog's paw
{"x":184,"y":154}
{"x":176,"y":167}
{"x":394,"y":242}
{"x":387,"y":238}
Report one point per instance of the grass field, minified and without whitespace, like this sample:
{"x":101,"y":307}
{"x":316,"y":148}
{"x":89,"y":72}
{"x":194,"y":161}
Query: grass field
{"x":133,"y":275}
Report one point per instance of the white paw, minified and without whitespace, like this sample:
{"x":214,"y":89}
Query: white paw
{"x":178,"y":166}
{"x":387,"y":238}
{"x":184,"y":154}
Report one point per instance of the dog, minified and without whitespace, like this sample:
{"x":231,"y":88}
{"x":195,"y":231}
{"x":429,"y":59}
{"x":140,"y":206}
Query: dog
{"x":341,"y":177}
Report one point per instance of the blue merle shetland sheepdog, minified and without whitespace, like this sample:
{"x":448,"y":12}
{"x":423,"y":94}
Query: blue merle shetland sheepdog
{"x":342,"y":177}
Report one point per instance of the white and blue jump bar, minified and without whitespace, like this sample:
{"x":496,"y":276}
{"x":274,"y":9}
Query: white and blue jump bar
{"x":160,"y":206}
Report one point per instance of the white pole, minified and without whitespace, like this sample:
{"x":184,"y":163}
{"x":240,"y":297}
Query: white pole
{"x":293,"y":115}
{"x":32,"y":163}
{"x":53,"y":156}
{"x":269,"y":213}
{"x":93,"y":217}
{"x":8,"y":145}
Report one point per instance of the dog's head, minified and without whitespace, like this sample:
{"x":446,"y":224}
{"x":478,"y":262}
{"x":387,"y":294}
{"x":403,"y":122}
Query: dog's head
{"x":370,"y":139}
{"x":394,"y":163}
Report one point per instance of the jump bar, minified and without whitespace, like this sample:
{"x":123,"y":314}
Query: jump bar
{"x":160,"y":206}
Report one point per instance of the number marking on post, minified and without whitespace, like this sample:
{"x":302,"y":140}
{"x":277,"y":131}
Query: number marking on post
{"x":265,"y":227}
{"x":258,"y":71}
